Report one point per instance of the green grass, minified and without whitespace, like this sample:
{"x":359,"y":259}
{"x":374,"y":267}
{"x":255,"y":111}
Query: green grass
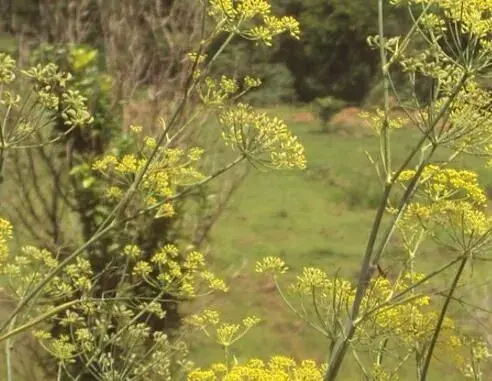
{"x":318,"y":217}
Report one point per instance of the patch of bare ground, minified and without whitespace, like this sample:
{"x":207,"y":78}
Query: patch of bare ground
{"x":348,"y":121}
{"x":303,"y":117}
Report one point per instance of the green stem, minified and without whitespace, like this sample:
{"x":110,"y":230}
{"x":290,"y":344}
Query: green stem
{"x":59,"y":376}
{"x":386,"y":154}
{"x":370,"y":261}
{"x":117,"y":335}
{"x":341,"y":345}
{"x":407,"y":196}
{"x":8,"y":353}
{"x":398,"y":297}
{"x":442,"y":315}
{"x":12,"y":332}
{"x":2,"y":152}
{"x":382,"y":348}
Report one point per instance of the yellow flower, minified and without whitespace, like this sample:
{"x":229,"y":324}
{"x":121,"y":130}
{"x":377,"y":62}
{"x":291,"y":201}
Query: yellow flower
{"x":5,"y":236}
{"x":271,"y":265}
{"x":258,"y":136}
{"x":165,"y":210}
{"x":5,"y":229}
{"x":279,"y":368}
{"x":252,"y":19}
{"x":132,"y":251}
{"x":7,"y":65}
{"x":142,"y":268}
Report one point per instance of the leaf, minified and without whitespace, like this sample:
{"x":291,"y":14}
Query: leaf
{"x":79,"y":169}
{"x":81,"y":58}
{"x":88,"y":181}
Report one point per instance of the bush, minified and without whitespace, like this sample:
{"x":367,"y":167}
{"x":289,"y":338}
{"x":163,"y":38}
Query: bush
{"x":326,"y":107}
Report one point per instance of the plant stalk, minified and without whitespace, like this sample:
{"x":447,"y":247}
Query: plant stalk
{"x":442,"y":315}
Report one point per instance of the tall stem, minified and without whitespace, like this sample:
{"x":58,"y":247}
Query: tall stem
{"x":385,"y":140}
{"x":8,"y":353}
{"x":442,"y":315}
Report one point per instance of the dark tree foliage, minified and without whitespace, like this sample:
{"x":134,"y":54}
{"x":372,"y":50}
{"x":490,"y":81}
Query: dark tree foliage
{"x":332,"y":58}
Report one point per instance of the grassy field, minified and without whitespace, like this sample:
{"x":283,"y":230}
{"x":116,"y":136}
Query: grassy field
{"x":320,"y":216}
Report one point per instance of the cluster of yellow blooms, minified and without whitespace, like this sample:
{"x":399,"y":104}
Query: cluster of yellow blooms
{"x":50,"y":86}
{"x":30,"y":265}
{"x":257,"y":136}
{"x":217,"y":92}
{"x":169,"y":169}
{"x":52,"y":95}
{"x":272,"y":265}
{"x":91,"y":318}
{"x":438,"y":184}
{"x":469,"y":121}
{"x":377,"y":118}
{"x":410,"y":323}
{"x":448,"y":200}
{"x":224,"y":334}
{"x":261,"y":138}
{"x":474,"y":15}
{"x":179,"y":274}
{"x":278,"y":368}
{"x":251,"y":19}
{"x":214,"y":92}
{"x":457,"y":57}
{"x":7,"y":66}
{"x":5,"y":236}
{"x":149,"y":358}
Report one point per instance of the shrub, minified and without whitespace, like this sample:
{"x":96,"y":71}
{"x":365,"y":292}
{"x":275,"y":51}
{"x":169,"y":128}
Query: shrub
{"x":328,"y":106}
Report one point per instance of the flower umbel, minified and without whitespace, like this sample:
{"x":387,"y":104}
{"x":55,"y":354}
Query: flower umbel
{"x":261,"y":138}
